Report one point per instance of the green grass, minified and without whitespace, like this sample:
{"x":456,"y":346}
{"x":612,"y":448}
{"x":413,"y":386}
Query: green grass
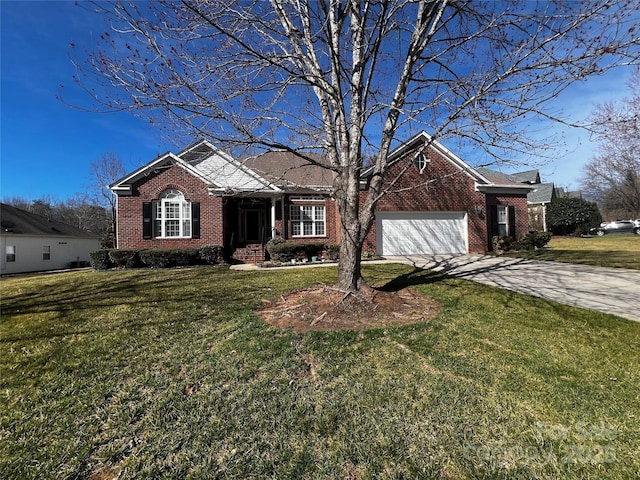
{"x":622,"y":251}
{"x":499,"y":385}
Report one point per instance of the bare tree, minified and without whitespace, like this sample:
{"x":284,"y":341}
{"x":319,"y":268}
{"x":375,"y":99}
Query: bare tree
{"x":84,"y":213}
{"x":612,"y":177}
{"x":104,"y":171}
{"x":349,"y":78}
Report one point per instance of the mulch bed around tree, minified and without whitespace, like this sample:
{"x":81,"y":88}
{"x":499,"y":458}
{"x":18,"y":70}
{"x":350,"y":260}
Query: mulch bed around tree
{"x":327,"y":308}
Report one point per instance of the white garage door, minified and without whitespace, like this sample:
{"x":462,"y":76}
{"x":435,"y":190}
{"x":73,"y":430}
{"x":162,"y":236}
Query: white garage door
{"x":424,"y":233}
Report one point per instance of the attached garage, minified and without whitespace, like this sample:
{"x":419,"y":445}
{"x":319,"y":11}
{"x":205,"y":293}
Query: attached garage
{"x":421,"y":233}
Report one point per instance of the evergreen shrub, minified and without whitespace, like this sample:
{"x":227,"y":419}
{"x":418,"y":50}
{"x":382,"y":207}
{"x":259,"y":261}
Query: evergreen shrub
{"x":100,"y":260}
{"x":156,"y":258}
{"x":212,"y":255}
{"x":125,"y":258}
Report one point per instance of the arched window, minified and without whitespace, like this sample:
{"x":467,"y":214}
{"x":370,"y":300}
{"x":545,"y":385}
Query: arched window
{"x":172,"y":215}
{"x":421,"y":161}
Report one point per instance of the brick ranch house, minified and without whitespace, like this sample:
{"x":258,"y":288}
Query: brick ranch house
{"x":202,"y":196}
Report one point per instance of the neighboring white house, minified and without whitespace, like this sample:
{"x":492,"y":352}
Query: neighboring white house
{"x":32,"y":243}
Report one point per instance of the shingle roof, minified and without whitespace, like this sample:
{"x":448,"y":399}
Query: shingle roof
{"x":15,"y":221}
{"x":496,"y":177}
{"x":288,"y":170}
{"x":530,"y":176}
{"x":542,"y":194}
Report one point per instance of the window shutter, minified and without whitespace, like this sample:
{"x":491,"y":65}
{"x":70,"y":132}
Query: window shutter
{"x":147,"y":220}
{"x":511,"y":218}
{"x":195,"y":220}
{"x":493,"y":221}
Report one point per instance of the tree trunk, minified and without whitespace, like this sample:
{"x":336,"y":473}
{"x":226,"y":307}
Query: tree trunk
{"x":352,"y":236}
{"x":349,"y":269}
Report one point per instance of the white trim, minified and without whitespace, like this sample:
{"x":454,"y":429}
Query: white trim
{"x":160,"y":214}
{"x":307,"y":198}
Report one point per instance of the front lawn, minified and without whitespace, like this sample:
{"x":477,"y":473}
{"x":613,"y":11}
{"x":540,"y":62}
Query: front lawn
{"x":171,"y":374}
{"x":621,"y":251}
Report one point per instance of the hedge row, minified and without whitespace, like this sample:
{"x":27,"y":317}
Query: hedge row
{"x":157,"y":258}
{"x":285,"y":251}
{"x":530,"y":241}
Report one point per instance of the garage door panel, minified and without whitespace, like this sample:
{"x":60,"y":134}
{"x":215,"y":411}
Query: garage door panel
{"x":427,"y":233}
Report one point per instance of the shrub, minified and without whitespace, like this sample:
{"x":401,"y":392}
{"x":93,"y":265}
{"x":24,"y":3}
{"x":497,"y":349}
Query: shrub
{"x":100,"y":260}
{"x":284,"y":251}
{"x":124,"y":258}
{"x":502,"y":243}
{"x":333,"y":251}
{"x":567,"y":215}
{"x":183,"y":257}
{"x":156,"y":258}
{"x":533,"y":240}
{"x":212,"y":255}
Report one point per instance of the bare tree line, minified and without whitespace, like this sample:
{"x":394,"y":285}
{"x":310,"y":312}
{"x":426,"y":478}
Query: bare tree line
{"x":93,"y":209}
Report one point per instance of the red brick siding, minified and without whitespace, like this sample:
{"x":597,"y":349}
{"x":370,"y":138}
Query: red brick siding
{"x":440,"y":187}
{"x":443,"y":187}
{"x":194,"y":190}
{"x":331,"y":224}
{"x":519,"y":202}
{"x":218,"y":216}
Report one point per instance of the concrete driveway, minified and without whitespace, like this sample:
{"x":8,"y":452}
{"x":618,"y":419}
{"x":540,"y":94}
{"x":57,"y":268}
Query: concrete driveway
{"x":608,"y":290}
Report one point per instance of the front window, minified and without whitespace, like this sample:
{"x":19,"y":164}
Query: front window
{"x":10,"y":252}
{"x":503,"y":224}
{"x":46,"y":252}
{"x":307,"y":220}
{"x":172,"y":215}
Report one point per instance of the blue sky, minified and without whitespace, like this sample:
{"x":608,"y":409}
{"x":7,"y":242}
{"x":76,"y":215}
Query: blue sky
{"x":46,"y":147}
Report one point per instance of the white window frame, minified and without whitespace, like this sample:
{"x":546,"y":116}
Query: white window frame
{"x":502,"y":219}
{"x":172,"y":215}
{"x":308,"y":220}
{"x":46,"y":252}
{"x":10,"y":253}
{"x":421,"y":161}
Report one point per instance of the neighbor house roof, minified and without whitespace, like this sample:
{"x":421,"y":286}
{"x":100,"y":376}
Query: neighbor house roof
{"x":15,"y":221}
{"x":543,"y":193}
{"x":561,"y":192}
{"x":496,"y":177}
{"x":529,"y":176}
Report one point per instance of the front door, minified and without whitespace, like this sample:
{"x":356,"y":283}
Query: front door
{"x":252,"y":225}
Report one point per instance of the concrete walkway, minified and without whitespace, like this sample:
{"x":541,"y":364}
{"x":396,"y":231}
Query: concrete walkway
{"x":608,"y":290}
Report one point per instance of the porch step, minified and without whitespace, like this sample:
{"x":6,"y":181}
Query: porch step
{"x":250,"y":254}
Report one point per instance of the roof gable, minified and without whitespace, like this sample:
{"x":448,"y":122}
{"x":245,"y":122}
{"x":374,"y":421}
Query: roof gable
{"x":222,"y":171}
{"x":483,"y":181}
{"x":219,"y":171}
{"x":422,"y":139}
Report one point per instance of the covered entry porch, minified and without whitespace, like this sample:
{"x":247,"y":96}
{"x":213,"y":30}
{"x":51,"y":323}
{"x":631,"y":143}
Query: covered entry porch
{"x":250,"y":222}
